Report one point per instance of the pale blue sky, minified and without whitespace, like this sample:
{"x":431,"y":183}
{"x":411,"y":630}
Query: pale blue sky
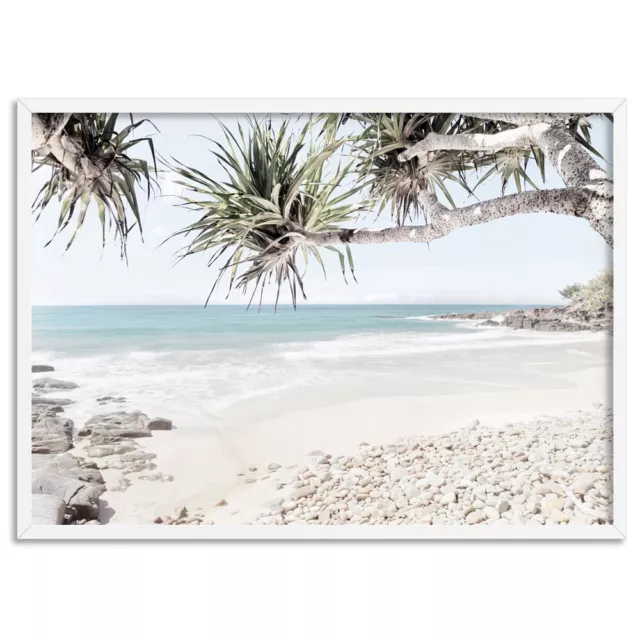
{"x":523,"y":259}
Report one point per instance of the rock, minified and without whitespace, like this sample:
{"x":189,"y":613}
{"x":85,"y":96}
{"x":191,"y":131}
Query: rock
{"x":273,"y":466}
{"x":250,"y":480}
{"x":475,"y":517}
{"x":514,"y":475}
{"x":82,"y":496}
{"x":472,"y":424}
{"x":47,"y":509}
{"x":252,"y":469}
{"x":303,"y":492}
{"x":583,"y":483}
{"x":51,"y":435}
{"x":41,"y":368}
{"x":131,"y":461}
{"x":106,"y":427}
{"x":433,"y":479}
{"x":46,"y":385}
{"x":157,"y":477}
{"x":69,"y":466}
{"x":53,"y":402}
{"x":399,"y":473}
{"x":160,"y":424}
{"x":558,"y":516}
{"x":106,"y":399}
{"x":101,"y":436}
{"x":491,"y":513}
{"x":502,"y":506}
{"x":448,"y":498}
{"x":222,"y":503}
{"x":110,"y":450}
{"x":180,"y":512}
{"x":315,"y":453}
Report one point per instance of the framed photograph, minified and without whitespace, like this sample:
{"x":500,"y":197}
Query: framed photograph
{"x":321,"y":319}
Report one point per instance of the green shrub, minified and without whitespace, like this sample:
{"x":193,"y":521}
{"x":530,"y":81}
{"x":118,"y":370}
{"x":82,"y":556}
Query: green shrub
{"x":597,"y":293}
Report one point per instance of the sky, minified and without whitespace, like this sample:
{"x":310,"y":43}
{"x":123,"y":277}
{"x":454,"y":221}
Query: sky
{"x":522,"y":259}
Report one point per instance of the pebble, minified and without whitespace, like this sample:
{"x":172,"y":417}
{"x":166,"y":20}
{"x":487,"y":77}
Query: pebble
{"x":535,"y":473}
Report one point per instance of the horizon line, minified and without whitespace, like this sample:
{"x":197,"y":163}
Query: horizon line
{"x":306,"y":304}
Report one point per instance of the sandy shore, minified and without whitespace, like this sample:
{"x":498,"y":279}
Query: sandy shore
{"x":213,"y":465}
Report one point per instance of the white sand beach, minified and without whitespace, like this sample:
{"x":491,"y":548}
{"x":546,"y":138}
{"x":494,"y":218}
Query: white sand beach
{"x":213,"y":465}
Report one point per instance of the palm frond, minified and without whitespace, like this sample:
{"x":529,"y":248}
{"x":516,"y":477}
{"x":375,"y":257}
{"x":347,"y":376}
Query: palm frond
{"x":95,"y":164}
{"x":280,"y":186}
{"x":397,"y":184}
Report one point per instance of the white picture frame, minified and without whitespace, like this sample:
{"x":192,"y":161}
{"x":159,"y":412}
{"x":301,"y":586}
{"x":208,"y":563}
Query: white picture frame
{"x":26,"y":531}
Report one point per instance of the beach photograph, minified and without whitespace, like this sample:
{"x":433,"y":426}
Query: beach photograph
{"x":322,"y":320}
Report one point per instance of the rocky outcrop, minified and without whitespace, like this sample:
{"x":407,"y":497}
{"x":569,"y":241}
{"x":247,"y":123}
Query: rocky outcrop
{"x":102,"y":400}
{"x":50,"y":432}
{"x":78,"y":483}
{"x":569,"y":318}
{"x":51,"y":435}
{"x":48,"y":385}
{"x":112,"y":427}
{"x":66,"y":488}
{"x":51,"y":402}
{"x":41,"y":368}
{"x":111,"y":442}
{"x":46,"y":509}
{"x":160,"y":424}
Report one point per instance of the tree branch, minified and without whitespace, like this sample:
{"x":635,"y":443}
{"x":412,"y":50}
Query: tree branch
{"x":521,"y":137}
{"x":46,"y":125}
{"x":521,"y":119}
{"x":572,"y":161}
{"x":569,"y":201}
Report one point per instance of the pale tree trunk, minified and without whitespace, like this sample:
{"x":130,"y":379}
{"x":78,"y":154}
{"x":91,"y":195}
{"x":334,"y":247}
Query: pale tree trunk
{"x":588,"y":193}
{"x":48,"y":137}
{"x":570,"y":202}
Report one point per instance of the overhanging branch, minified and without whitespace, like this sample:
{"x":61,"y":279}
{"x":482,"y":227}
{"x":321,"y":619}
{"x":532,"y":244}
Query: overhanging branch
{"x":569,"y":201}
{"x":521,"y":119}
{"x":521,"y":137}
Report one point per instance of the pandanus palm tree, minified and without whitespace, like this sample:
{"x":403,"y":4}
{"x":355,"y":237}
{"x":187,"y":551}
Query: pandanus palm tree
{"x":281,"y":189}
{"x":90,"y":159}
{"x":280,"y":199}
{"x":288,"y":193}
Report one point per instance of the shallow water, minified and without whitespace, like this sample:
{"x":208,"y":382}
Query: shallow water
{"x":199,"y":366}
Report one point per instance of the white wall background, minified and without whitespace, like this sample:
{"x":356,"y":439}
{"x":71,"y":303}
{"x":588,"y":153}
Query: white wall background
{"x":244,"y":590}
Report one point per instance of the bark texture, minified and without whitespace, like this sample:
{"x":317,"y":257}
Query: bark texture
{"x":588,"y":193}
{"x":48,"y":137}
{"x":571,"y":202}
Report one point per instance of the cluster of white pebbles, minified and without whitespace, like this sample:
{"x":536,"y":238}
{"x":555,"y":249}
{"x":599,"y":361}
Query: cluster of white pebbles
{"x":549,"y":471}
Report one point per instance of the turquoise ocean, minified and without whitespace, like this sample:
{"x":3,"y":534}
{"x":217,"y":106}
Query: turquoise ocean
{"x":200,"y":366}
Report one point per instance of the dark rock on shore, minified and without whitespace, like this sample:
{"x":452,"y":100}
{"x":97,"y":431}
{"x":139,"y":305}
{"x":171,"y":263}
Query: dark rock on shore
{"x":569,"y":318}
{"x":160,"y":424}
{"x":47,"y":385}
{"x":107,"y":428}
{"x":55,"y":402}
{"x":50,"y":432}
{"x":112,"y":442}
{"x":102,"y":400}
{"x":51,"y":435}
{"x":47,"y":509}
{"x":41,"y":368}
{"x":74,"y":481}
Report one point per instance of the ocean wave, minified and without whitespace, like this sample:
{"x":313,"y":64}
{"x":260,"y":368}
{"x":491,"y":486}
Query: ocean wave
{"x":407,"y":344}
